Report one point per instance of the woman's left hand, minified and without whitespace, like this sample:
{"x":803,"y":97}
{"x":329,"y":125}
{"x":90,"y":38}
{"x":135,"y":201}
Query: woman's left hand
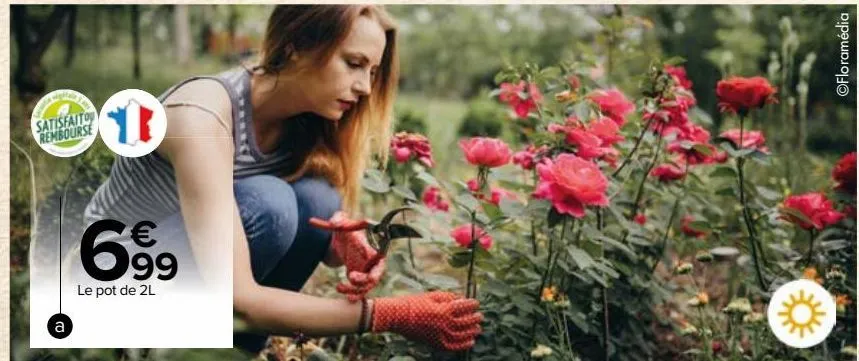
{"x":364,"y":265}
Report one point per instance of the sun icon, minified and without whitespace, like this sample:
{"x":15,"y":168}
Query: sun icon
{"x":802,"y":313}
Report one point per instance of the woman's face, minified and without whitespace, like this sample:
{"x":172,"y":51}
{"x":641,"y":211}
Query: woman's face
{"x":336,"y":87}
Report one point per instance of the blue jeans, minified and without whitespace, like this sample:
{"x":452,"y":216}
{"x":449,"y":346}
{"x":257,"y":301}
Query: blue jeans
{"x":284,"y":248}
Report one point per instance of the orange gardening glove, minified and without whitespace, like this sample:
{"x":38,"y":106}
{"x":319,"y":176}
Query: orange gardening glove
{"x":440,"y":319}
{"x":364,"y":265}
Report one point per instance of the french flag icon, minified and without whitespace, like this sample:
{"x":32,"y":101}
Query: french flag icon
{"x":133,"y":121}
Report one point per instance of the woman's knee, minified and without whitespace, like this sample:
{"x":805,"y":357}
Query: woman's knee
{"x":316,"y":197}
{"x":267,"y":206}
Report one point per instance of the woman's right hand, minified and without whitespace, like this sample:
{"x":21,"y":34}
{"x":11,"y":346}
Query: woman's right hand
{"x":440,"y":319}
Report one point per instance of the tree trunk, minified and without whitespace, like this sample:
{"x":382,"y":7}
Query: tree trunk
{"x":183,"y":34}
{"x":70,"y":36}
{"x":135,"y":39}
{"x":29,"y":76}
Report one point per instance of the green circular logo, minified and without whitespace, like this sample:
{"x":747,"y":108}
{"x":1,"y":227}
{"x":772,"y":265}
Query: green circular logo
{"x":64,"y":123}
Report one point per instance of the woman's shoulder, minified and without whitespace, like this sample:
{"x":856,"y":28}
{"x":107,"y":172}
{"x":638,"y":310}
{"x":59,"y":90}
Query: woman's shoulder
{"x":197,"y":107}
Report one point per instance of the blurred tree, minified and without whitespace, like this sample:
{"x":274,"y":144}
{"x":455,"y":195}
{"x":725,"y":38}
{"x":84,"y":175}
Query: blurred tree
{"x":135,"y":36}
{"x":71,"y":25}
{"x":33,"y":35}
{"x":182,"y":33}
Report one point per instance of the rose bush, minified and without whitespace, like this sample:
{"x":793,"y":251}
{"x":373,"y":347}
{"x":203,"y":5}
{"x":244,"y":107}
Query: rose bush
{"x":602,"y":235}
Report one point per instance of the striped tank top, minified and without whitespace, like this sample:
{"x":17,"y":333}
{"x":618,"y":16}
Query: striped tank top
{"x":144,"y":188}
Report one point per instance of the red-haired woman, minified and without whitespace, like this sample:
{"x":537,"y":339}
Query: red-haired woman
{"x":291,"y":135}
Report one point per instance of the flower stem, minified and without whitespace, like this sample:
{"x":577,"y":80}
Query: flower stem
{"x":746,"y":214}
{"x":605,"y":306}
{"x":634,"y":148}
{"x":640,"y":192}
{"x":469,"y":292}
{"x":810,"y":248}
{"x":406,"y":201}
{"x":674,"y":209}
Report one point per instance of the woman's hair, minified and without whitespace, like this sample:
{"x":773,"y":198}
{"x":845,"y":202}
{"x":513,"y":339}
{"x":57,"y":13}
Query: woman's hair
{"x":338,"y":153}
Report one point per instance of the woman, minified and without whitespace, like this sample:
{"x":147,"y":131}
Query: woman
{"x":294,"y":132}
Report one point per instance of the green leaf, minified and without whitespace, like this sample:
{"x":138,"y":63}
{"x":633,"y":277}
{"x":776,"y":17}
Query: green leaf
{"x":616,"y":244}
{"x":404,"y":192}
{"x":467,"y":201}
{"x":726,"y":172}
{"x":767,"y":193}
{"x":796,"y":214}
{"x":701,"y":226}
{"x":703,"y":149}
{"x":460,"y":259}
{"x":727,"y":192}
{"x":375,"y":181}
{"x":511,"y":208}
{"x":491,"y":210}
{"x":582,"y":110}
{"x":582,"y":258}
{"x":441,"y":281}
{"x":427,"y":178}
{"x":537,"y":208}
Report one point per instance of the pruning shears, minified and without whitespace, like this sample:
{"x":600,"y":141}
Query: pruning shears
{"x":380,"y":234}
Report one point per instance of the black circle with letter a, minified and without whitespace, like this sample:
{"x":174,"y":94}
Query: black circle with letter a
{"x":60,"y":326}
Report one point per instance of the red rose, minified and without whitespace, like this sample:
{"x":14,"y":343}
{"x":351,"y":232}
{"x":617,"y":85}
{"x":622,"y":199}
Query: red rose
{"x":751,"y":139}
{"x":462,"y":235}
{"x":404,"y":145}
{"x":690,"y":142}
{"x":668,"y":172}
{"x":738,"y":94}
{"x":640,"y":219}
{"x":613,"y":104}
{"x":571,"y":183}
{"x":686,"y":227}
{"x":672,"y":114}
{"x":607,"y":130}
{"x":844,"y":174}
{"x":592,"y":141}
{"x":510,"y":94}
{"x":485,"y":152}
{"x":433,"y":200}
{"x":814,"y":206}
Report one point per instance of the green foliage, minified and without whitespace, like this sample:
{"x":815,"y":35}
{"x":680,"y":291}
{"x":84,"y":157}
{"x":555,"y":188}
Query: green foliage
{"x":410,"y":120}
{"x":484,"y":118}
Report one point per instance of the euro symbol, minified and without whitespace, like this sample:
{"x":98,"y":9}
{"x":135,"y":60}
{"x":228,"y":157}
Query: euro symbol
{"x":140,"y":235}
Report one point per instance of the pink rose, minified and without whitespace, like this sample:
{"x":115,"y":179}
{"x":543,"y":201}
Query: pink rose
{"x":485,"y":152}
{"x":640,"y":219}
{"x":679,"y":75}
{"x":527,"y":158}
{"x":433,"y":200}
{"x":404,"y":145}
{"x":571,"y":183}
{"x":753,"y":139}
{"x":463,"y":236}
{"x":613,"y":104}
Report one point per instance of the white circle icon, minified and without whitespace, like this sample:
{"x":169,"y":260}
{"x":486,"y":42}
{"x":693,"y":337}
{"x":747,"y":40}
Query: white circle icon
{"x":801,"y":313}
{"x":64,"y":123}
{"x":132,"y":123}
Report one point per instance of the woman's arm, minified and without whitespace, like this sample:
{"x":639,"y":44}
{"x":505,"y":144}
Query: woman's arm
{"x":201,"y":152}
